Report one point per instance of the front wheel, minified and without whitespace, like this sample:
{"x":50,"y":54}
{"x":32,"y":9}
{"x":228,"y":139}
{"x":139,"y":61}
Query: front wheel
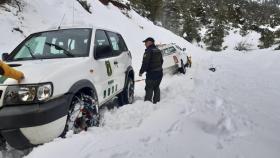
{"x":127,"y":95}
{"x":83,"y":113}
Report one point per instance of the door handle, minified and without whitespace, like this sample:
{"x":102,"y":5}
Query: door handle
{"x":116,"y":63}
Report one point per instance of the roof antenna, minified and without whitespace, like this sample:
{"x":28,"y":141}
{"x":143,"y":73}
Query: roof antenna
{"x":61,"y":21}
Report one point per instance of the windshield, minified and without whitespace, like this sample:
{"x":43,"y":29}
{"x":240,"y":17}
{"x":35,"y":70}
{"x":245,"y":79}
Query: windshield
{"x":54,"y":44}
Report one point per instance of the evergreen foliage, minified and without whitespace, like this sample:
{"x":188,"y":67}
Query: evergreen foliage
{"x":187,"y":17}
{"x":267,"y":38}
{"x":16,"y":3}
{"x":148,"y":8}
{"x":85,"y":5}
{"x":214,"y":37}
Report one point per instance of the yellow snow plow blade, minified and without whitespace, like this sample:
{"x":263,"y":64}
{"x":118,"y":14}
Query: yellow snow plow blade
{"x":7,"y":71}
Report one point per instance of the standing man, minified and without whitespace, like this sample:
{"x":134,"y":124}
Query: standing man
{"x":152,"y":65}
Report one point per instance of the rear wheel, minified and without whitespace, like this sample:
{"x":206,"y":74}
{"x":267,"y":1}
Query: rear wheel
{"x":127,"y":95}
{"x":83,"y":113}
{"x":182,"y":69}
{"x":2,"y":143}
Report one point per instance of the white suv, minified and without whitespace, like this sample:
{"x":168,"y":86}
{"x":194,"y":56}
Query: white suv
{"x":68,"y":74}
{"x":174,"y":57}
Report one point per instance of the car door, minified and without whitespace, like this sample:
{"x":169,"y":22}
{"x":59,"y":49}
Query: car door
{"x":103,"y":70}
{"x":120,"y":61}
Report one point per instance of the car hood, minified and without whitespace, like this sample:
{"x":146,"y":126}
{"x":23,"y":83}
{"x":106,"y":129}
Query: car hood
{"x":37,"y":71}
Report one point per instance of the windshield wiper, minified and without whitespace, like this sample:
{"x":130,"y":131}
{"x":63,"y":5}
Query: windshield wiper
{"x":31,"y":52}
{"x":66,"y":52}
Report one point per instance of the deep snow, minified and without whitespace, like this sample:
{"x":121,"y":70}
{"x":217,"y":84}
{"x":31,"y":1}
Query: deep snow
{"x":232,"y":113}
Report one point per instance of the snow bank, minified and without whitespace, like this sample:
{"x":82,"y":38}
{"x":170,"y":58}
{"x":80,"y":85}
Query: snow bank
{"x":251,"y":39}
{"x":232,"y":113}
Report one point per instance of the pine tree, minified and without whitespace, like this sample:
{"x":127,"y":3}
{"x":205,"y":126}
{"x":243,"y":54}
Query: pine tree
{"x":190,"y":29}
{"x":215,"y":37}
{"x":267,"y":38}
{"x":187,"y":17}
{"x":172,"y":16}
{"x":148,"y":8}
{"x":5,"y":1}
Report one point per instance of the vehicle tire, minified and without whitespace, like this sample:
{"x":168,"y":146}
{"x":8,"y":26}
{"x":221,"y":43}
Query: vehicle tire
{"x":83,"y":113}
{"x":182,"y":69}
{"x":3,"y":143}
{"x":127,"y":95}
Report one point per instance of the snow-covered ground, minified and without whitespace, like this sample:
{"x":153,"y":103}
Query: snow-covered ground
{"x":233,"y":113}
{"x":230,"y":113}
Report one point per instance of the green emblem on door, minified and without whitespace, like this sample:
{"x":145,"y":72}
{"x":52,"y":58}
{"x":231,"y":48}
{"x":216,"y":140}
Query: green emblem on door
{"x":109,"y":68}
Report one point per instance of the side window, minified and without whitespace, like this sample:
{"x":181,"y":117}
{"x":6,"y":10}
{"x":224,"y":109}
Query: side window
{"x":117,"y":42}
{"x":122,"y":44}
{"x":102,"y":46}
{"x":114,"y":39}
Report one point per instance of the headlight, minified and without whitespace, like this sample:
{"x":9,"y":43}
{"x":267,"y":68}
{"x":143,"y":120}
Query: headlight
{"x":27,"y":94}
{"x":24,"y":94}
{"x":44,"y":92}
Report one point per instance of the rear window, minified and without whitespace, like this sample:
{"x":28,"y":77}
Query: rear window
{"x":168,"y":51}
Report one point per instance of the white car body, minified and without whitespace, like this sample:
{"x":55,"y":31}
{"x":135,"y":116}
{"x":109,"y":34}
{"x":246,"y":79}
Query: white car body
{"x":107,"y":76}
{"x":174,"y":58}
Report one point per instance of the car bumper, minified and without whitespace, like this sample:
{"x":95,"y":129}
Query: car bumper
{"x":171,"y":69}
{"x":23,"y":125}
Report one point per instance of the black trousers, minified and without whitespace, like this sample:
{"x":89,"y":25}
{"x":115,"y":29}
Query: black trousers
{"x":152,"y":90}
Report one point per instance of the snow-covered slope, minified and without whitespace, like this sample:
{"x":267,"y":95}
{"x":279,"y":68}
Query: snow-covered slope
{"x":230,"y":113}
{"x":251,"y":40}
{"x":40,"y":15}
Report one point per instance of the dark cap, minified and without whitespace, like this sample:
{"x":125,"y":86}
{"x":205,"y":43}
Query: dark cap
{"x":149,"y":39}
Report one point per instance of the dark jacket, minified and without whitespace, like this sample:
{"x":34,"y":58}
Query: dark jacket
{"x":152,"y":63}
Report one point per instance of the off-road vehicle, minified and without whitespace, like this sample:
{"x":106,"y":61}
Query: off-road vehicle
{"x":174,"y":57}
{"x":68,"y":74}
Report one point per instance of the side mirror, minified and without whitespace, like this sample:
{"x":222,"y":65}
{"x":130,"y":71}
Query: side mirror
{"x":5,"y":56}
{"x":184,"y":49}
